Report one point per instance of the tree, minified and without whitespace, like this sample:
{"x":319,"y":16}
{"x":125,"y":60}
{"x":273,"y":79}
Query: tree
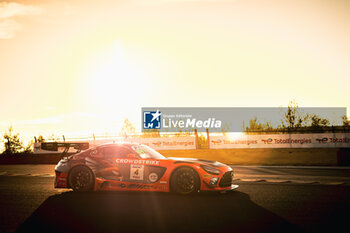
{"x":40,"y":138}
{"x":345,"y":121}
{"x":318,"y":122}
{"x":202,"y":141}
{"x":12,"y":142}
{"x":255,"y":125}
{"x":29,"y":148}
{"x":293,"y":118}
{"x":128,"y":128}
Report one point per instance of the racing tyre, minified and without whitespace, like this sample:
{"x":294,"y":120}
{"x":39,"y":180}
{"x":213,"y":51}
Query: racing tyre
{"x":185,"y":181}
{"x":81,"y":179}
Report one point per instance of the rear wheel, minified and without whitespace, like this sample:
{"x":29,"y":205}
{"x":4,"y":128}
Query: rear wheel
{"x":184,"y":181}
{"x":81,"y":179}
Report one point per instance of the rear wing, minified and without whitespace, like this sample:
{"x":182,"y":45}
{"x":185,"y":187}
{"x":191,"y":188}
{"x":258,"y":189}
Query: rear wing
{"x":53,"y":146}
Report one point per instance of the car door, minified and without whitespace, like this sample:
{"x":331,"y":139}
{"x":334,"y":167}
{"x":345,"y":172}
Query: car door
{"x":118,"y":169}
{"x":145,"y":169}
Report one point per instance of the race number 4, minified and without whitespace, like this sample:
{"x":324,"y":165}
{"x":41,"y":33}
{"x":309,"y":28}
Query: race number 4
{"x":136,"y":172}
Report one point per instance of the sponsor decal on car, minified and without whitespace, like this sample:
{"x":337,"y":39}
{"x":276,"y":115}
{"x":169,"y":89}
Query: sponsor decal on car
{"x":139,"y":186}
{"x":138,"y":161}
{"x":153,"y":177}
{"x":136,"y":172}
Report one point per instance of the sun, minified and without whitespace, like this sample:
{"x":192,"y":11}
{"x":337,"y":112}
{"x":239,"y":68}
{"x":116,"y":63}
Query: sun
{"x":113,"y":83}
{"x":116,"y":79}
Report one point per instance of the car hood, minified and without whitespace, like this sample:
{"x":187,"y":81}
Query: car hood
{"x":200,"y":161}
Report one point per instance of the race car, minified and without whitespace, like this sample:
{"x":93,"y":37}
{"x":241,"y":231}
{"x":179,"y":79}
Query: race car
{"x":137,"y":167}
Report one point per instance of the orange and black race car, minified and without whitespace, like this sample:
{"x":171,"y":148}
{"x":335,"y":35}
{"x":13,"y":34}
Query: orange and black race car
{"x":137,"y":167}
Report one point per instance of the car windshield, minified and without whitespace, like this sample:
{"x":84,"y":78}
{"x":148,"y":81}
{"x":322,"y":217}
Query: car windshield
{"x":146,"y":152}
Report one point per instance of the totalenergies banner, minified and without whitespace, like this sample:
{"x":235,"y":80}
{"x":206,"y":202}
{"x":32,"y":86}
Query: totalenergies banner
{"x":170,"y":143}
{"x":322,"y":140}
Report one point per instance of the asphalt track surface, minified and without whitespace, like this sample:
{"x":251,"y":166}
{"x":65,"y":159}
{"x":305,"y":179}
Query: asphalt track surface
{"x":29,"y":203}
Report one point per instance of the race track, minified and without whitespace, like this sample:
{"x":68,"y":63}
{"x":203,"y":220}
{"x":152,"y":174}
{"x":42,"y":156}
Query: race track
{"x":30,"y":203}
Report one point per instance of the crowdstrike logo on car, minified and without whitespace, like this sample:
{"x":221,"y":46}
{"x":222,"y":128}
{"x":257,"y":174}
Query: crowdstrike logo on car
{"x":152,"y":120}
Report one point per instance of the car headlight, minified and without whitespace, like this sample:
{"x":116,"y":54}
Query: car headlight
{"x":210,"y":170}
{"x":214,"y":180}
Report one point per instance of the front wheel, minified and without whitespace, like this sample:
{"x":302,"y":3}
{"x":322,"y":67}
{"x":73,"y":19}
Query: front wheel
{"x":185,"y":181}
{"x":81,"y":179}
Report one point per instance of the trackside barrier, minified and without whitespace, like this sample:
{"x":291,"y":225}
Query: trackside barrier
{"x":171,"y":143}
{"x":244,"y":141}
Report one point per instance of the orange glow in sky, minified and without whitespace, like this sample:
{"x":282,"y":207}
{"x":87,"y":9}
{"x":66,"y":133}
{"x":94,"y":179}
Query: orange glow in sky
{"x":81,"y":66}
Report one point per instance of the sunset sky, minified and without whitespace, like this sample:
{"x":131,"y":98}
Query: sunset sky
{"x":81,"y":67}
